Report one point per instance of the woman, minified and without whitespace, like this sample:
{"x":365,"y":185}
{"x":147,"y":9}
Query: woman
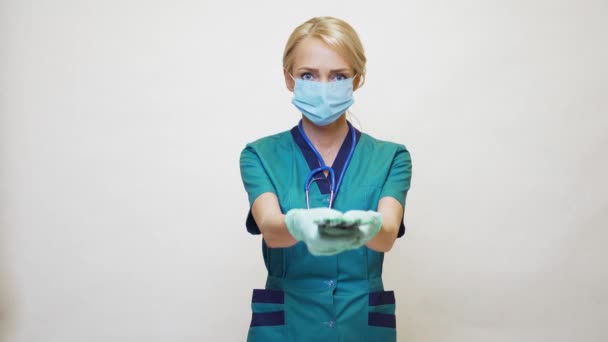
{"x":324,"y":265}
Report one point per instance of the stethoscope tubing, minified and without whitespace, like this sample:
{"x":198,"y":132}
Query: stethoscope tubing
{"x":310,"y":178}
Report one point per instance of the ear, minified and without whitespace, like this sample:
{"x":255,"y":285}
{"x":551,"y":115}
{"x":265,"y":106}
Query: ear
{"x":358,"y":82}
{"x":289,"y":82}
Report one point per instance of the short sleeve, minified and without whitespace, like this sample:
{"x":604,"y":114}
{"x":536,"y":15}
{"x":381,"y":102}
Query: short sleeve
{"x":399,"y":177}
{"x":254,"y":176}
{"x":398,"y":181}
{"x":256,"y":182}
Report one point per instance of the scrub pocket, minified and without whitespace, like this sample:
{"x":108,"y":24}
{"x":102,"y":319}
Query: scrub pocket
{"x":381,"y":319}
{"x":268,"y":316}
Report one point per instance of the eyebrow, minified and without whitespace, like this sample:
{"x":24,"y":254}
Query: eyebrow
{"x":317,"y":70}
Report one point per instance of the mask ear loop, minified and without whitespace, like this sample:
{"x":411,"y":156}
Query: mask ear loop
{"x":293,"y":78}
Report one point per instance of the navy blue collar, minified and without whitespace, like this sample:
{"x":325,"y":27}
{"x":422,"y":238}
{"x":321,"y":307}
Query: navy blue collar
{"x":312,"y":161}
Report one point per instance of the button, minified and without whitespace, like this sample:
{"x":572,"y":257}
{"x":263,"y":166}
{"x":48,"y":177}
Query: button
{"x":331,"y":283}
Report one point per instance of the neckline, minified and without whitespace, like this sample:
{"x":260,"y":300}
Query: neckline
{"x":313,"y":163}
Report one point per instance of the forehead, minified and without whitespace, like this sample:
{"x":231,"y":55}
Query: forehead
{"x":314,"y":53}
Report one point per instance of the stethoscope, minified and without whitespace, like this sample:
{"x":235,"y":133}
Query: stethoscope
{"x":333,"y":189}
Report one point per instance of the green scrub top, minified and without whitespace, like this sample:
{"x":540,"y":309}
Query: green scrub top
{"x":323,"y":298}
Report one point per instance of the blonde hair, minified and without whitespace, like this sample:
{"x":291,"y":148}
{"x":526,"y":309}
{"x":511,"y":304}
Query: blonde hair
{"x":337,"y":34}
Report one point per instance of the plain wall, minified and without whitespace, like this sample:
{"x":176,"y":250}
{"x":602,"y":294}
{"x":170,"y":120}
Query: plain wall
{"x":122,"y":209}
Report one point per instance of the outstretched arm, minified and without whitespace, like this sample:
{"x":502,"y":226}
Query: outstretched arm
{"x":392,"y":214}
{"x":267,"y":214}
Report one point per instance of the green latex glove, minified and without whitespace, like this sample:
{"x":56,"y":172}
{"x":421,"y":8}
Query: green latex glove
{"x":369,"y":223}
{"x":327,"y":231}
{"x":304,"y":225}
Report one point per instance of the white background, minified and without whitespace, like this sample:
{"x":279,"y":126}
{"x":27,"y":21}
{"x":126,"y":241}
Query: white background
{"x":122,"y":209}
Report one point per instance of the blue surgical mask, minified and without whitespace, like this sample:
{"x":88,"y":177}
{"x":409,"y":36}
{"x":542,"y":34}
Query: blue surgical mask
{"x":323,"y":102}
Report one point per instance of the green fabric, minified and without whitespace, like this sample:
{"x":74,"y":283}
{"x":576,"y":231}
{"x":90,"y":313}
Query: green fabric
{"x":327,"y":231}
{"x":326,"y":297}
{"x":275,"y":164}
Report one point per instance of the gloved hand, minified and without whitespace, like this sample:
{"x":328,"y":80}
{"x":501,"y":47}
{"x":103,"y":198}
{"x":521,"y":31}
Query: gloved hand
{"x":327,"y":231}
{"x":368,"y":222}
{"x":303,"y":225}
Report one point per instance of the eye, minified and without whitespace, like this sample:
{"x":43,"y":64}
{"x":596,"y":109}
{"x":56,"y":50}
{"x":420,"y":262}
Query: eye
{"x":307,"y":76}
{"x":340,"y":77}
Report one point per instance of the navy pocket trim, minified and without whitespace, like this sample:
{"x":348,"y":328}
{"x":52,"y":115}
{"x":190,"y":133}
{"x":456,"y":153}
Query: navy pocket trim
{"x":381,"y":298}
{"x":264,"y":319}
{"x":381,"y":320}
{"x":268,"y":296}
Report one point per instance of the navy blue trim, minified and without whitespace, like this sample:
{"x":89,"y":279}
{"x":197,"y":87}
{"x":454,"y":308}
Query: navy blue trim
{"x":252,"y":226}
{"x":268,"y":296}
{"x":313,"y":163}
{"x":401,"y":229}
{"x":262,"y":319}
{"x":381,"y":298}
{"x":378,"y":319}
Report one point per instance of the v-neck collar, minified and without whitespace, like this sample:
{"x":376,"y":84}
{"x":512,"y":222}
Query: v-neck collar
{"x":313,"y":162}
